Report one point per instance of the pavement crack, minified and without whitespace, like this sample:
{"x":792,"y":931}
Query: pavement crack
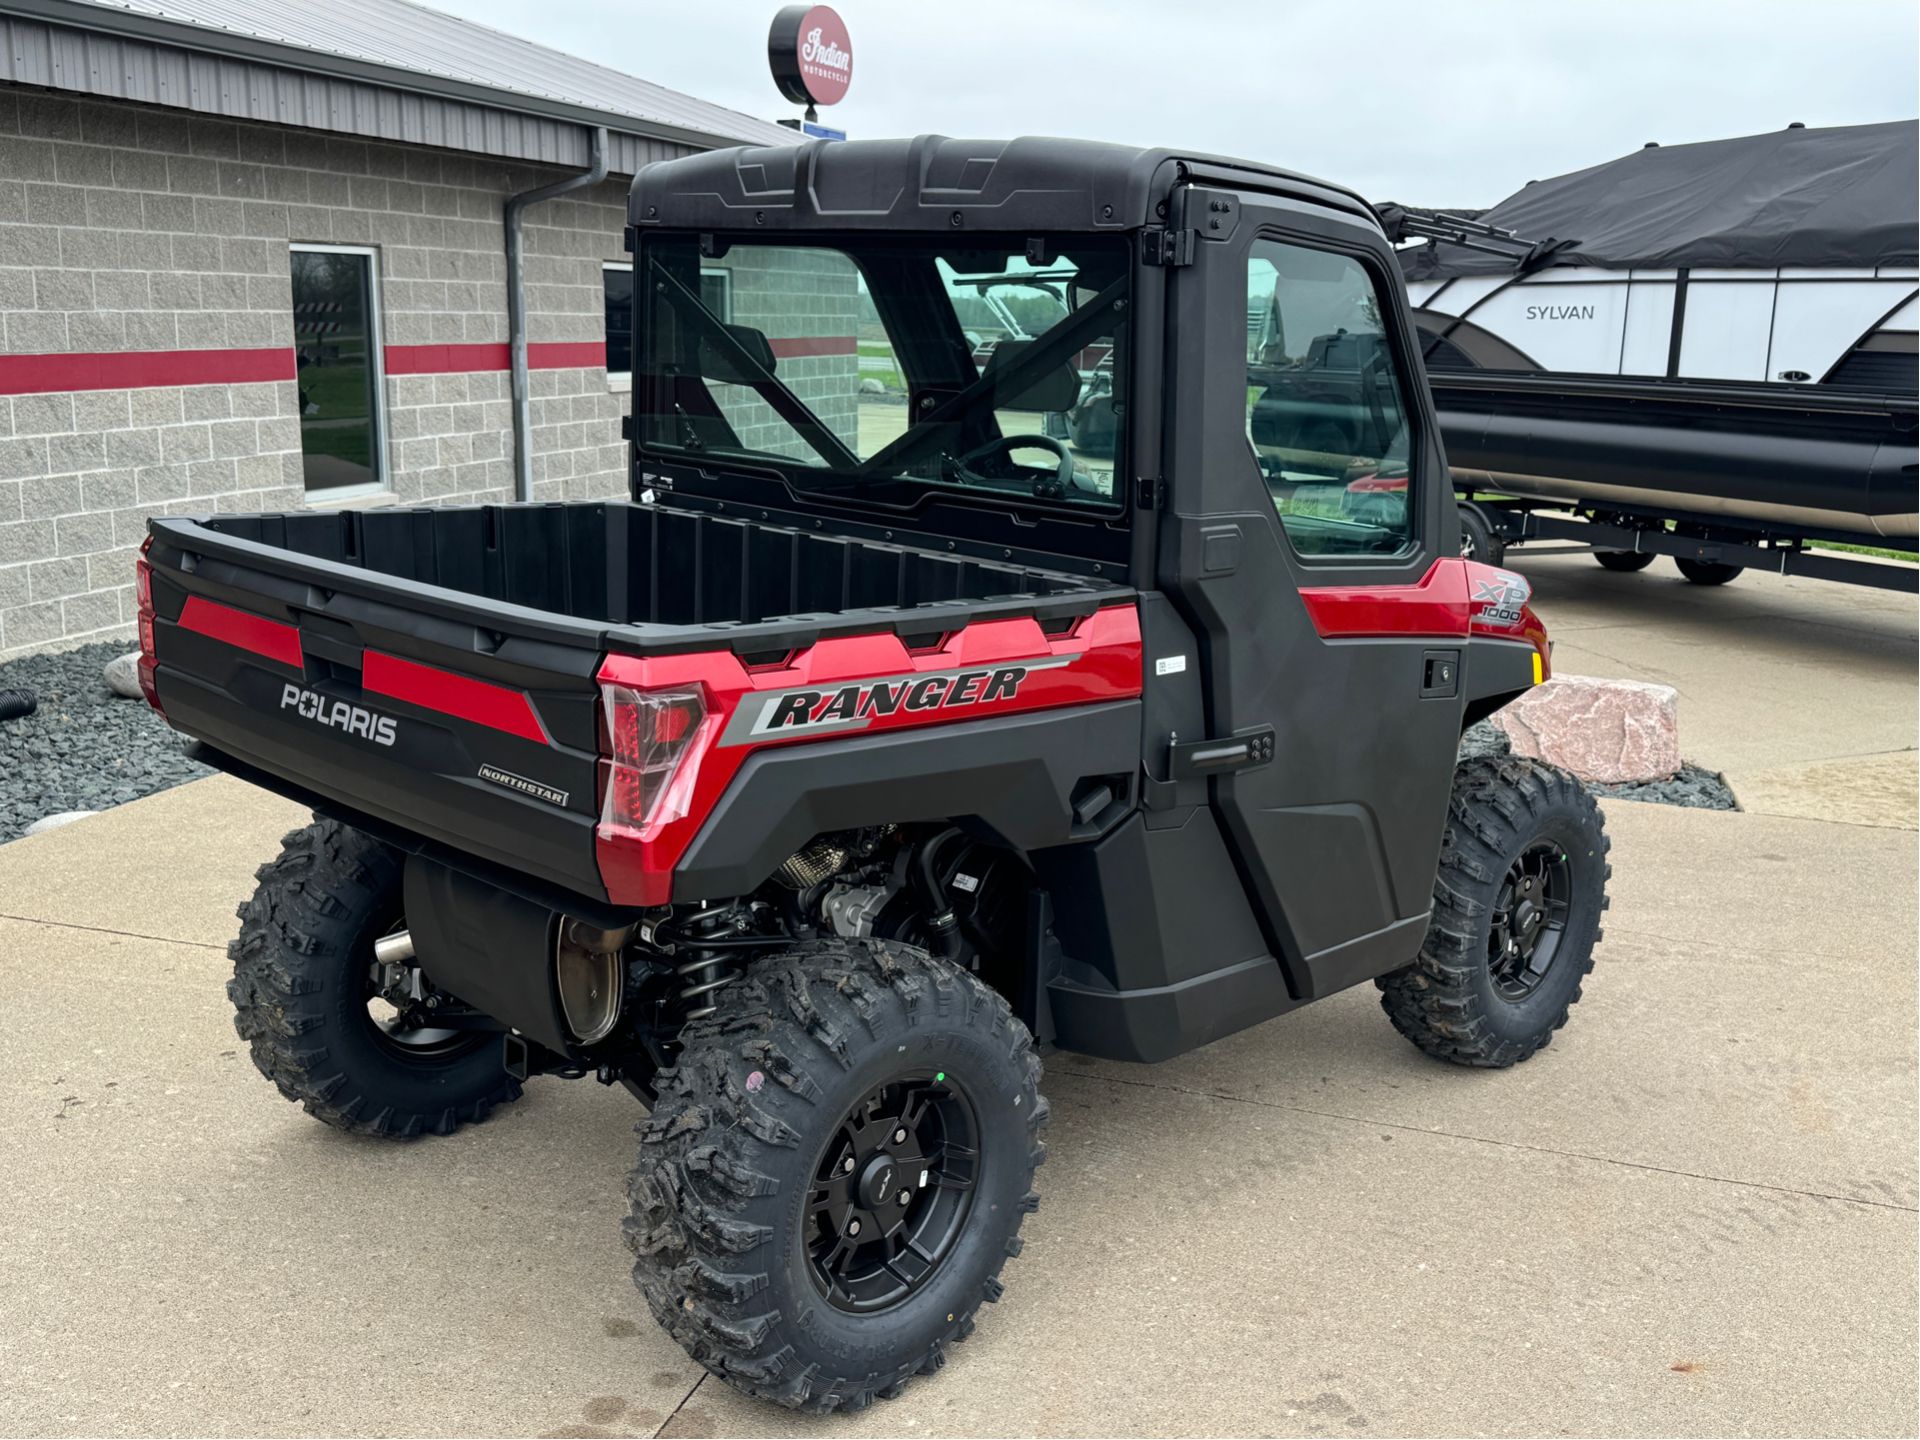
{"x":109,"y":930}
{"x":1487,"y":1140}
{"x":678,"y":1408}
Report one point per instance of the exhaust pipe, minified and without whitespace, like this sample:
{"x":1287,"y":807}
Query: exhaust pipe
{"x":589,"y":971}
{"x":394,"y":949}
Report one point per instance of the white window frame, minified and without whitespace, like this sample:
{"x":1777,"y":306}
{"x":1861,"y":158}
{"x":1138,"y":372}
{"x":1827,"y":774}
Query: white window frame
{"x":621,"y":381}
{"x":376,"y":344}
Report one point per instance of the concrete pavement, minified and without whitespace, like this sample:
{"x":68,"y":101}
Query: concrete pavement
{"x":1694,"y":1213}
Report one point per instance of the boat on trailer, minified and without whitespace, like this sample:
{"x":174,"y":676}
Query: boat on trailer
{"x":1703,"y":350}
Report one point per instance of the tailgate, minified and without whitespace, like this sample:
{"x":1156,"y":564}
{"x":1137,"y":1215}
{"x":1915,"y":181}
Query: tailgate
{"x":471,"y":725}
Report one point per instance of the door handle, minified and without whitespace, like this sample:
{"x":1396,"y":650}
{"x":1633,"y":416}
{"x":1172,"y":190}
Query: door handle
{"x":1197,"y":759}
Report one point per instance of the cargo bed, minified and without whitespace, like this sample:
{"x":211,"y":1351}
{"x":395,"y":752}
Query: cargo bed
{"x":433,"y":674}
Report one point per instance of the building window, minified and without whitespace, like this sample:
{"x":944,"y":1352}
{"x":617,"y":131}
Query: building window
{"x":616,"y":284}
{"x":336,"y":348}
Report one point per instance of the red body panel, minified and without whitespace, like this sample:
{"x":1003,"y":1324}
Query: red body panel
{"x":271,"y":639}
{"x":1455,"y":599}
{"x":1098,"y":660}
{"x":460,"y":696}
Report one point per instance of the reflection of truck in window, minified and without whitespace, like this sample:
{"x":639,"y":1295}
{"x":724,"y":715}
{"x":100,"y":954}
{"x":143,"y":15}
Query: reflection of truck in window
{"x":1334,"y":404}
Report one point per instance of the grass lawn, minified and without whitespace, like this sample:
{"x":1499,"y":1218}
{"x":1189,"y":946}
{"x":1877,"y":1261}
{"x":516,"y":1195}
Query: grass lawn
{"x":1906,"y":555}
{"x":877,"y":362}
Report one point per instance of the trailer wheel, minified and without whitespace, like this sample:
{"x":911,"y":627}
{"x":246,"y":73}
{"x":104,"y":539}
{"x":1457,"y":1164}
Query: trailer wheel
{"x":1624,"y":561}
{"x":307,"y":1001}
{"x":835,"y":1172}
{"x":1516,"y":914}
{"x":1478,"y":540}
{"x":1706,"y":572}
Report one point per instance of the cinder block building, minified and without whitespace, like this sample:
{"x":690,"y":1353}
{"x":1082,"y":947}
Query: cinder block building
{"x":257,"y":257}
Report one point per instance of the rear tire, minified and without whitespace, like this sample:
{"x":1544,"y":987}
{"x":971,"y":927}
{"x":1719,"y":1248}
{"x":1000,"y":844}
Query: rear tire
{"x":1624,"y":561}
{"x":1472,"y":996}
{"x":1706,"y":572}
{"x":300,"y":992}
{"x":749,"y":1243}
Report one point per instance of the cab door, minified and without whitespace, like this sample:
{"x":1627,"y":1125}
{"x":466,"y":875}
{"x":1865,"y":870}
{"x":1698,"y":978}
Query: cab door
{"x":1307,"y":506}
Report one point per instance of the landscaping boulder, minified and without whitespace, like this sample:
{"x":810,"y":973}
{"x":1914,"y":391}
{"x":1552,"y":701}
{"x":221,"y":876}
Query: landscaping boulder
{"x":123,"y":676}
{"x":1612,"y":731}
{"x":54,"y":822}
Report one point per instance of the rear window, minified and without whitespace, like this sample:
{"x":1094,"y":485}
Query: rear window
{"x":884,"y":367}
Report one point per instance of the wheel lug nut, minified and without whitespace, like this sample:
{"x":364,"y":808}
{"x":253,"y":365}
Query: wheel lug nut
{"x":853,"y":1227}
{"x":905,"y":1196}
{"x":846,"y":1165}
{"x":899,"y":1135}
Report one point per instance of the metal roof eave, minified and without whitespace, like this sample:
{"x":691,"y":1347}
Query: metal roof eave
{"x":124,"y":24}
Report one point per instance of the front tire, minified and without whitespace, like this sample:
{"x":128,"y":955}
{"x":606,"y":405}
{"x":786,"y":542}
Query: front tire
{"x":835,"y":1171}
{"x":1516,"y":913}
{"x":302,"y":986}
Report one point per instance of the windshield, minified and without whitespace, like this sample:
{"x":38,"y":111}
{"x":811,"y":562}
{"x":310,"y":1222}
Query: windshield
{"x":886,"y":367}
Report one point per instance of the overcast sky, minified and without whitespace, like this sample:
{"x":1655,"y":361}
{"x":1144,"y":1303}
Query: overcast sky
{"x":1436,"y":102}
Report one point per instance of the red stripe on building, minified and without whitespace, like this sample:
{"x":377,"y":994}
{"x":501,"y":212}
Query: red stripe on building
{"x":141,"y":369}
{"x":149,"y":369}
{"x":803,"y":347}
{"x":443,"y":359}
{"x":468,"y":359}
{"x":461,"y":696}
{"x":271,"y":639}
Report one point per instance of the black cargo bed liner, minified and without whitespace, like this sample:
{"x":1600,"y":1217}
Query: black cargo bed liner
{"x":634,"y":578}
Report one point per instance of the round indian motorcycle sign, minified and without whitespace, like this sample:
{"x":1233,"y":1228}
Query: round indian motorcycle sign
{"x":811,"y":54}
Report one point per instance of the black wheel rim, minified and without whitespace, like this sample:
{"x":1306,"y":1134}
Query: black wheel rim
{"x":892,"y":1192}
{"x":1529,"y":920}
{"x":402,"y":1023}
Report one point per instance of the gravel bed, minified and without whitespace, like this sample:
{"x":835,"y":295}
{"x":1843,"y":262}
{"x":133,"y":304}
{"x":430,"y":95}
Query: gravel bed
{"x":85,"y":748}
{"x":1694,"y":787}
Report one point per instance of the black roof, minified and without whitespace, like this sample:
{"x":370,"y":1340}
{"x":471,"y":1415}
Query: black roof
{"x":925,"y":182}
{"x":1845,"y":195}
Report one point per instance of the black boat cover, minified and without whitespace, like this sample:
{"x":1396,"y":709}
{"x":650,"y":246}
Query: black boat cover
{"x":1845,"y":196}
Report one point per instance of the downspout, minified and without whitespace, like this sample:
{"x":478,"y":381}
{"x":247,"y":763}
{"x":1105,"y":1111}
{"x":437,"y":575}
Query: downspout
{"x":517,"y":307}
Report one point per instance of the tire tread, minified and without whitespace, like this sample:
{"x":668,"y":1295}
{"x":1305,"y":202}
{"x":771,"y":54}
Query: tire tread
{"x":1496,"y":803}
{"x":293,"y":933}
{"x":709,"y":1150}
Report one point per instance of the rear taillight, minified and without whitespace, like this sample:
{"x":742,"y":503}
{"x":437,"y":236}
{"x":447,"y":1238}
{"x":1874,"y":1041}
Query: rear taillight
{"x":143,"y":598}
{"x":648,"y":734}
{"x":651,"y":746}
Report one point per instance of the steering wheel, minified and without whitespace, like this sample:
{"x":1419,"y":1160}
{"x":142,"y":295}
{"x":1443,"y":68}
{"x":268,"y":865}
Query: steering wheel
{"x":1046,"y":487}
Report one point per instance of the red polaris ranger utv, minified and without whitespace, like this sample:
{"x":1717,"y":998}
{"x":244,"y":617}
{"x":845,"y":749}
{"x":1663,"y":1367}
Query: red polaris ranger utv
{"x":886,"y":738}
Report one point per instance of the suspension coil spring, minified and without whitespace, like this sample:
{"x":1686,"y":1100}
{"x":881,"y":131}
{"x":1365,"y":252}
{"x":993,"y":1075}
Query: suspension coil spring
{"x":707,"y":972}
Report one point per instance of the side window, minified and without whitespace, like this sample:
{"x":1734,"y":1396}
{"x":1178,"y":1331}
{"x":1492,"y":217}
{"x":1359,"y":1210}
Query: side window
{"x":1326,"y":404}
